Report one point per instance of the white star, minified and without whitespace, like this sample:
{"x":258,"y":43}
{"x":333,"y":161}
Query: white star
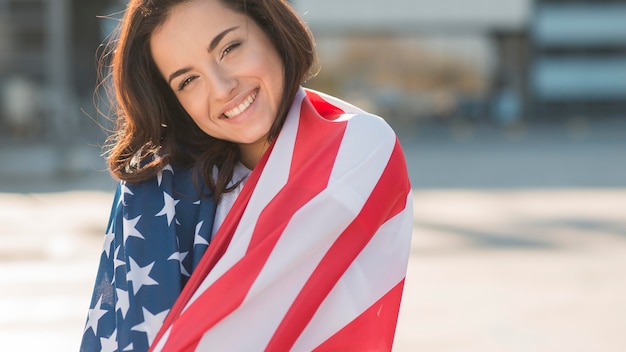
{"x":168,"y":208}
{"x":94,"y":317}
{"x":151,"y":323}
{"x":129,"y":347}
{"x":123,"y":303}
{"x":180,"y":257}
{"x":130,"y":228}
{"x":140,"y":276}
{"x":108,"y":239}
{"x":199,"y":239}
{"x":197,"y":202}
{"x":167,"y":167}
{"x":125,"y":191}
{"x":116,"y":262}
{"x":109,"y":344}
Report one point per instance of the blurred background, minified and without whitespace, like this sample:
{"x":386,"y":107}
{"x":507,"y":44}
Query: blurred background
{"x":512,"y":115}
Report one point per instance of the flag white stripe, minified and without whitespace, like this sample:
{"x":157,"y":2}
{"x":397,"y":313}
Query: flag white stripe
{"x":358,"y":153}
{"x":269,"y":184}
{"x":263,"y":310}
{"x":158,"y":347}
{"x":379,"y":263}
{"x":304,"y":242}
{"x":300,"y":247}
{"x":348,"y":189}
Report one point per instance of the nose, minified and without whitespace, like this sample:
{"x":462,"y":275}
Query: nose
{"x":222,"y":84}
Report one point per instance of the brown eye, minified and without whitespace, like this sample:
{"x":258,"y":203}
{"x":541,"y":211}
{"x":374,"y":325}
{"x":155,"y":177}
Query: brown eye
{"x":185,"y":82}
{"x":229,"y":49}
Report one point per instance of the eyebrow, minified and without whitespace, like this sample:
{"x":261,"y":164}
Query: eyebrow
{"x":218,"y":38}
{"x":214,"y":43}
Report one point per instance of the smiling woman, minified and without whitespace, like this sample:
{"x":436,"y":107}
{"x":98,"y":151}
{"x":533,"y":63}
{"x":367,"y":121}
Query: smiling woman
{"x":246,"y":203}
{"x":224,"y":71}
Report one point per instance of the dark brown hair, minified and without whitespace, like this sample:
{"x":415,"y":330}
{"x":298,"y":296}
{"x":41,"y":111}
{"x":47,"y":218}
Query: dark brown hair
{"x":152,"y":128}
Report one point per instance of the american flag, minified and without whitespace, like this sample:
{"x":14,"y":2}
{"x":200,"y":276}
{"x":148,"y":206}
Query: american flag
{"x":313,"y":254}
{"x":157,"y":233}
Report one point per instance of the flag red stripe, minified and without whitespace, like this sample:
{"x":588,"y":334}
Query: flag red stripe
{"x":343,"y":252}
{"x":318,"y":148}
{"x":324,"y":108}
{"x":216,"y":302}
{"x":317,"y":143}
{"x":234,"y":288}
{"x":216,"y":250}
{"x":375,"y":327}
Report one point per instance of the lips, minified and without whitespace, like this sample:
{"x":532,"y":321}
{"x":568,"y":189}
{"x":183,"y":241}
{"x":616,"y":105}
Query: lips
{"x":236,"y":111}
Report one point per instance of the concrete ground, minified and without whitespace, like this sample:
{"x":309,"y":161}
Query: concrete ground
{"x":519,"y":241}
{"x":516,"y":270}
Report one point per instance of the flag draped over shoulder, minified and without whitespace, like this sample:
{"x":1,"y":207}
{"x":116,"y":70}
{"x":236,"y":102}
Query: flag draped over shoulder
{"x":313,"y":254}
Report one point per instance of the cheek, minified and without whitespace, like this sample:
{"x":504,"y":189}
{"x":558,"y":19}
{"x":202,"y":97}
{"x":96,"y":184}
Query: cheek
{"x":278,"y":71}
{"x":278,"y":84}
{"x":194,"y":105}
{"x":274,"y":72}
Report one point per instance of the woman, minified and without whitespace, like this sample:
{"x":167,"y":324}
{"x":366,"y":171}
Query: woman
{"x":308,"y":245}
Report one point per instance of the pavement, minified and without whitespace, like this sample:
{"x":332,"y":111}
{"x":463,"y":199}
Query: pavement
{"x":519,"y":240}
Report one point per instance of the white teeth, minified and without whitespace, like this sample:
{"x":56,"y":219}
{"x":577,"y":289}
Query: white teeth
{"x":242,"y":107}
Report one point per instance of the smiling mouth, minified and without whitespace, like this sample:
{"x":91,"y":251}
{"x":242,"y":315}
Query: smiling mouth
{"x":242,"y":107}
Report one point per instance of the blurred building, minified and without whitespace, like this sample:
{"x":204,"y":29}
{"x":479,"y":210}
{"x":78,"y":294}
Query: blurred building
{"x":47,"y":68}
{"x":424,"y":59}
{"x":578,"y":56}
{"x":501,"y":60}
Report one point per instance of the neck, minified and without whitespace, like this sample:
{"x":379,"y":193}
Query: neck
{"x":252,"y":153}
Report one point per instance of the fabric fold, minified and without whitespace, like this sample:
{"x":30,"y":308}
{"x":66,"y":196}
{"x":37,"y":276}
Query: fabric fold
{"x":288,"y":254}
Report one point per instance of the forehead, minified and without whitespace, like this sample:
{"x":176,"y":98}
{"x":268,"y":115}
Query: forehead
{"x":189,"y":28}
{"x":197,"y":16}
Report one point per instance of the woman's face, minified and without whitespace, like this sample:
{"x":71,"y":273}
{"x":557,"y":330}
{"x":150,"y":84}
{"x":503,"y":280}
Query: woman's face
{"x":224,"y":71}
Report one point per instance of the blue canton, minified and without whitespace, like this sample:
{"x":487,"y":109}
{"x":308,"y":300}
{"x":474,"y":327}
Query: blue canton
{"x":157,"y":232}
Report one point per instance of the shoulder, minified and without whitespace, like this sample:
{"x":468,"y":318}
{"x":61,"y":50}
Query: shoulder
{"x":367,"y":140}
{"x":370,"y":128}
